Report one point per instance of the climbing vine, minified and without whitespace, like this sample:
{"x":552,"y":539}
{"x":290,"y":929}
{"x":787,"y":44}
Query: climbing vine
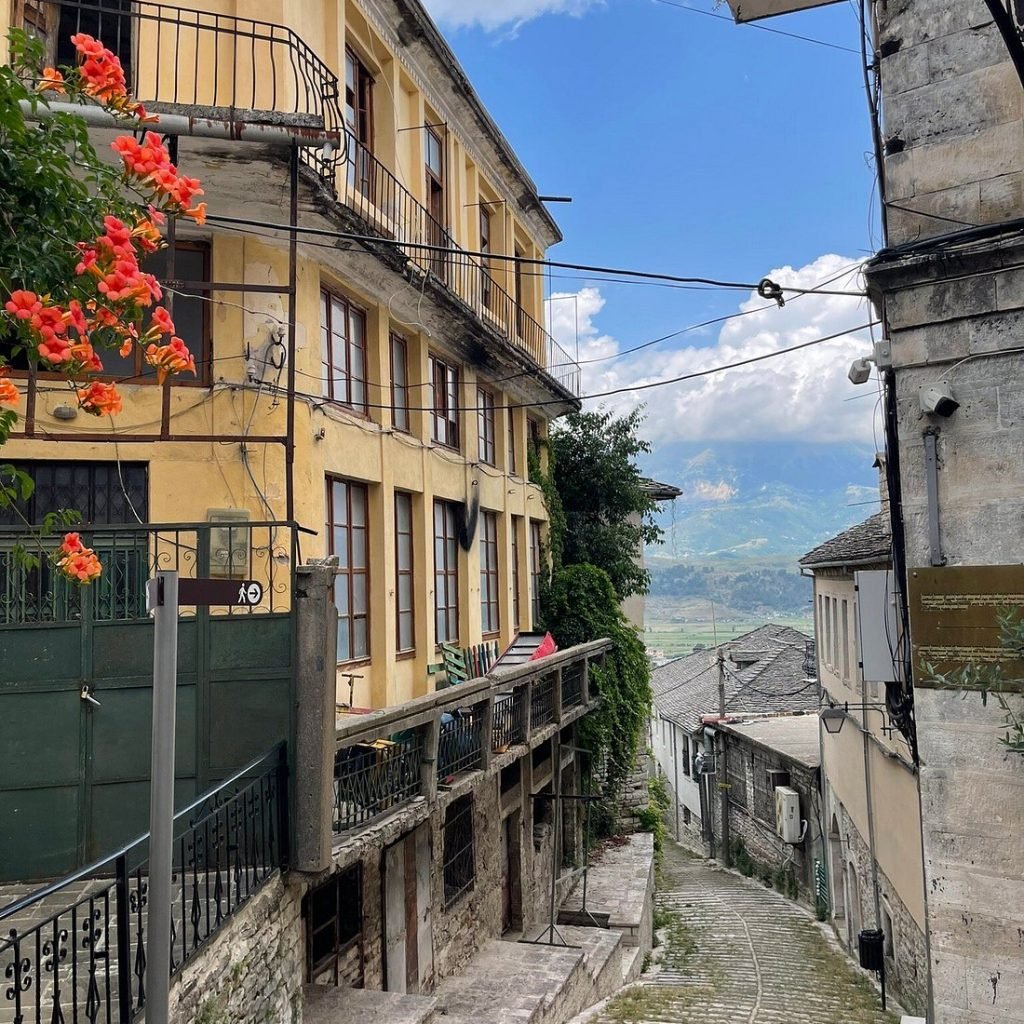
{"x":544,"y":479}
{"x":579,"y":606}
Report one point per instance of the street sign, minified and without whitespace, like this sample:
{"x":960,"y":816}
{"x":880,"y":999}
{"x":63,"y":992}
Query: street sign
{"x":246,"y":593}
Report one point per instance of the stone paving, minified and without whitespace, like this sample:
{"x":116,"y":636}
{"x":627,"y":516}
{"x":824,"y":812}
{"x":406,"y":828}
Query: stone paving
{"x":735,"y":952}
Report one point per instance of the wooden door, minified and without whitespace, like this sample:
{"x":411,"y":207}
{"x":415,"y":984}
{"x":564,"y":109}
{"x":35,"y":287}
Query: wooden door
{"x":408,"y":926}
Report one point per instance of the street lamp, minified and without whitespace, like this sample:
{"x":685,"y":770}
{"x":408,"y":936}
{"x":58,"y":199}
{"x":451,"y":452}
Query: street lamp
{"x":833,"y":716}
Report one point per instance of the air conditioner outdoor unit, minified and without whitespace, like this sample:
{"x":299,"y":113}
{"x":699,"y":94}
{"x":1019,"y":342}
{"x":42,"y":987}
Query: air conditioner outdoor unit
{"x":787,"y":814}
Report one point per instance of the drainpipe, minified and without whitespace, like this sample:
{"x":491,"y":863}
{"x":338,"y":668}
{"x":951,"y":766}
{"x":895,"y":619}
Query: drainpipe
{"x":722,"y":770}
{"x":198,"y":127}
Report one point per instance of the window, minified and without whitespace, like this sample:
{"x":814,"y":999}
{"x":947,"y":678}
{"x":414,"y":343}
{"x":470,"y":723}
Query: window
{"x":828,"y":631}
{"x":399,"y":383}
{"x":485,"y":426}
{"x":737,"y":776}
{"x":846,"y":640}
{"x":359,"y":118}
{"x":333,"y":913}
{"x":517,"y":527}
{"x":444,"y":403}
{"x":489,"y":617}
{"x":536,"y":568}
{"x":533,"y":437}
{"x":485,"y":246}
{"x":513,"y":464}
{"x":347,"y":529}
{"x":835,"y":633}
{"x":888,"y":948}
{"x":54,"y":24}
{"x":104,"y":493}
{"x":404,"y":602}
{"x":520,"y":314}
{"x":459,"y":862}
{"x":343,"y":351}
{"x":686,"y":815}
{"x":686,"y":755}
{"x":446,"y":572}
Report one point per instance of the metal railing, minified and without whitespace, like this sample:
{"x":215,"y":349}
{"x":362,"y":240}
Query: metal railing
{"x":76,"y":950}
{"x":510,"y":719}
{"x":368,"y":188}
{"x":385,"y":760}
{"x":35,"y":592}
{"x":460,"y":745}
{"x":232,"y":67}
{"x":542,"y":702}
{"x":372,"y":778}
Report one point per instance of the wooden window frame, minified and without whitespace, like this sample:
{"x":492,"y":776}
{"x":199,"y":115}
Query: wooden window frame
{"x":518,"y":285}
{"x":329,"y":296}
{"x":337,"y":890}
{"x":487,"y":442}
{"x":536,"y":569}
{"x":407,"y":572}
{"x":446,"y":571}
{"x":348,"y":572}
{"x":513,"y":461}
{"x":362,"y":93}
{"x":399,"y":354}
{"x":442,"y":411}
{"x":490,"y":606}
{"x":486,"y":279}
{"x":517,"y":522}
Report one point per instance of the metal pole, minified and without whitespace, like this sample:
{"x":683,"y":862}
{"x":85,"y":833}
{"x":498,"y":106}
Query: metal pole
{"x":164,"y":606}
{"x":721,"y":767}
{"x":882,"y":972}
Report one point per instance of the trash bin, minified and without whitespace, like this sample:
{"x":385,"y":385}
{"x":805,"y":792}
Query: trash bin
{"x":871,"y":943}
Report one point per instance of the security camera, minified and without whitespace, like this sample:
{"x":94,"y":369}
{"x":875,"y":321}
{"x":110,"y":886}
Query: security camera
{"x":860,"y":370}
{"x":937,"y":399}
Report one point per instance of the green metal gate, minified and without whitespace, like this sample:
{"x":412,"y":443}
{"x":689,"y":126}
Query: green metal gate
{"x":76,"y":686}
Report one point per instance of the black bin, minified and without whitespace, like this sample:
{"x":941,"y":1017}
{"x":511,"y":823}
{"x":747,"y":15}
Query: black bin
{"x":871,"y":943}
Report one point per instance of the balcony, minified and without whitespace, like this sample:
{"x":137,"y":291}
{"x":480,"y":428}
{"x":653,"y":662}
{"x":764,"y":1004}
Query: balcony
{"x":248,"y":72}
{"x":387,"y":760}
{"x":391,"y":211}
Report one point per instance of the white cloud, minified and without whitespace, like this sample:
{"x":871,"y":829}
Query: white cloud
{"x":799,"y":396}
{"x":495,"y":14}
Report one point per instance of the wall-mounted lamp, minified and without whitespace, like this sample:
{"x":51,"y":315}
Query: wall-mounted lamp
{"x":833,"y":716}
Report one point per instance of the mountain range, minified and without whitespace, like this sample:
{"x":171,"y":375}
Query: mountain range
{"x":763,"y":503}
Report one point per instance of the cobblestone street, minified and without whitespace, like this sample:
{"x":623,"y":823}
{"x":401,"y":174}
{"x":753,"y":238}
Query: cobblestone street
{"x":736,"y":952}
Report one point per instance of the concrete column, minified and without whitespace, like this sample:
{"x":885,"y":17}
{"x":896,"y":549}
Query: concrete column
{"x":428,"y":764}
{"x":316,"y":623}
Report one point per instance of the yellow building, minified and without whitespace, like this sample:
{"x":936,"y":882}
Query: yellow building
{"x":390,"y":409}
{"x":871,"y":804}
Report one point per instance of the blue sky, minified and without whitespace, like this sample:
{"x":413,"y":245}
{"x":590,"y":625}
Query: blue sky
{"x":694,"y":146}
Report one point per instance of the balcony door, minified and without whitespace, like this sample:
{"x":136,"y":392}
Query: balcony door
{"x":55,"y":23}
{"x":434,"y":160}
{"x":359,"y":120}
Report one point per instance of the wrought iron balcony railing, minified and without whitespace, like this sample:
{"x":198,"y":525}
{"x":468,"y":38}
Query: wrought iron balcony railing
{"x":395,"y":756}
{"x":368,"y":188}
{"x":76,"y":950}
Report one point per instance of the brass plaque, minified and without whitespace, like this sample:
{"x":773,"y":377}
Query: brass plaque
{"x":953,"y":616}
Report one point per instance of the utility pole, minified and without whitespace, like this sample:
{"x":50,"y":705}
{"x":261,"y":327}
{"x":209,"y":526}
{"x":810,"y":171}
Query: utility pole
{"x":722,"y":768}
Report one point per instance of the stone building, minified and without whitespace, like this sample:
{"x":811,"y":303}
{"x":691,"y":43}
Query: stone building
{"x":947,"y":116}
{"x":768,"y":670}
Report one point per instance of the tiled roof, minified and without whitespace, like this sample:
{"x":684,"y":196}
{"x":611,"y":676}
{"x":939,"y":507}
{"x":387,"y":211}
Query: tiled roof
{"x":765,"y":671}
{"x":869,"y":541}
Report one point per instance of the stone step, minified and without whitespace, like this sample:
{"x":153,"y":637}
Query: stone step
{"x":514,"y":983}
{"x":326,"y":1004}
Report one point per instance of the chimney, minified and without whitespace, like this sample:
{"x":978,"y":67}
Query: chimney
{"x":881,"y":463}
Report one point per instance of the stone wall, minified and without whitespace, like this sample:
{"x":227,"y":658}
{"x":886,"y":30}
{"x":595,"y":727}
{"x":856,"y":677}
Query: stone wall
{"x":687,"y":832}
{"x":906,"y":968}
{"x":633,"y":797}
{"x":252,"y":970}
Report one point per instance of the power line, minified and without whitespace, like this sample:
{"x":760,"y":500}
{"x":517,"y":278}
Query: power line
{"x":349,"y":236}
{"x":762,"y":28}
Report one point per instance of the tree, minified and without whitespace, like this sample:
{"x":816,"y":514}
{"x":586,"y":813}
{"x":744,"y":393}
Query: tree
{"x":609,"y":515}
{"x":74,"y":232}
